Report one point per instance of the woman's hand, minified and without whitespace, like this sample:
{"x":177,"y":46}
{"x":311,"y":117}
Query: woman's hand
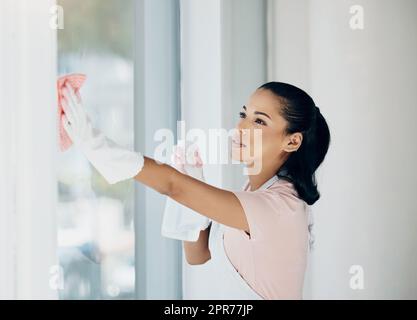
{"x":186,"y":158}
{"x":112,"y":161}
{"x":75,"y":121}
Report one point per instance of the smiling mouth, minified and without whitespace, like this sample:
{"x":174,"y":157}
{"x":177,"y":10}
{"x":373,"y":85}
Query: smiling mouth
{"x":238,"y":144}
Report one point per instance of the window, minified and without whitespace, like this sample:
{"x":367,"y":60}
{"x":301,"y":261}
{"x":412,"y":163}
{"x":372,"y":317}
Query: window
{"x":108,"y":236}
{"x":96,"y":242}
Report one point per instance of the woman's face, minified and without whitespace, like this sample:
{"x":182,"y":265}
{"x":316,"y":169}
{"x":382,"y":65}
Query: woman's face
{"x":260,"y":134}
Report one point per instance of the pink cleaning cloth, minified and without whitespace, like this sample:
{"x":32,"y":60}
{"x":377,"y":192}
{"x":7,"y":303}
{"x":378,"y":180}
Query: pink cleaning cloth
{"x":76,"y":80}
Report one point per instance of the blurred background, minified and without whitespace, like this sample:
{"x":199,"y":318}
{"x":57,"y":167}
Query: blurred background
{"x":95,"y":219}
{"x":66,"y":234}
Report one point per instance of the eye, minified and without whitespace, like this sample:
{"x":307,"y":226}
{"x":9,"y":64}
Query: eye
{"x":242,"y":114}
{"x":260,"y":121}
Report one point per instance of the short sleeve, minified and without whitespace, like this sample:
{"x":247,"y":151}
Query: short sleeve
{"x":267,"y":212}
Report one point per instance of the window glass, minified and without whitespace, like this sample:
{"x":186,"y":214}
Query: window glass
{"x":95,"y":219}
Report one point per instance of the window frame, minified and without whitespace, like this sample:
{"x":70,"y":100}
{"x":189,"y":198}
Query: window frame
{"x":156,"y":106}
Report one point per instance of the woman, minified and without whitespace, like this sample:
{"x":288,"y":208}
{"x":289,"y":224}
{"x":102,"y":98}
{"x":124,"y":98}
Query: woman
{"x":258,"y":241}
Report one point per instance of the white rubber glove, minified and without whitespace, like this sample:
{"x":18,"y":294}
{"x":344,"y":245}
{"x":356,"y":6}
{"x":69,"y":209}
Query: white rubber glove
{"x":114,"y":162}
{"x":180,"y":222}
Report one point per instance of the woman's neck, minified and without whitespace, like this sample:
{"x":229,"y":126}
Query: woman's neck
{"x":255,"y":182}
{"x":267,"y":172}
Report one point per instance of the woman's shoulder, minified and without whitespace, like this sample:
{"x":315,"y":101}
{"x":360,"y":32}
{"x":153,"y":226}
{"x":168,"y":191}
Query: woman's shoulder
{"x":279,"y":194}
{"x":283,"y":187}
{"x":283,"y":191}
{"x":273,"y":207}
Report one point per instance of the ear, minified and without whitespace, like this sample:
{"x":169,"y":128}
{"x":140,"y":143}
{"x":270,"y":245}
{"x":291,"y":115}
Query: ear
{"x":293,"y":142}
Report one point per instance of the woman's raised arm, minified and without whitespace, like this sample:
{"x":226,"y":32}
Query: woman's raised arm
{"x":215,"y":203}
{"x":116,"y":164}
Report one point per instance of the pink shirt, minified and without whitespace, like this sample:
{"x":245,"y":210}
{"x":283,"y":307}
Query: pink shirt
{"x":273,"y":259}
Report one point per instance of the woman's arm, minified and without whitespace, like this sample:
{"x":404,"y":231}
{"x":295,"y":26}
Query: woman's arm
{"x":217,"y":204}
{"x":198,"y":252}
{"x":117,"y":164}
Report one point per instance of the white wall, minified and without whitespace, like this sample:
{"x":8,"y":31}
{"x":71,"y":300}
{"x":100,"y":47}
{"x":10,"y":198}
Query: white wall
{"x":364,"y":83}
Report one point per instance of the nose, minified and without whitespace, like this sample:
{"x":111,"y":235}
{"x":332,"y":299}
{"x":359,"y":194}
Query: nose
{"x":243,"y":130}
{"x":239,"y":133}
{"x":242,"y":126}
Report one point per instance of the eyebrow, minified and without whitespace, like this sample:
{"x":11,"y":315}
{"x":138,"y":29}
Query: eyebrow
{"x":259,"y":112}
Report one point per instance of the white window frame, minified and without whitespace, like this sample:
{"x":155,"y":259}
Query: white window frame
{"x":157,"y":101}
{"x":28,"y":137}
